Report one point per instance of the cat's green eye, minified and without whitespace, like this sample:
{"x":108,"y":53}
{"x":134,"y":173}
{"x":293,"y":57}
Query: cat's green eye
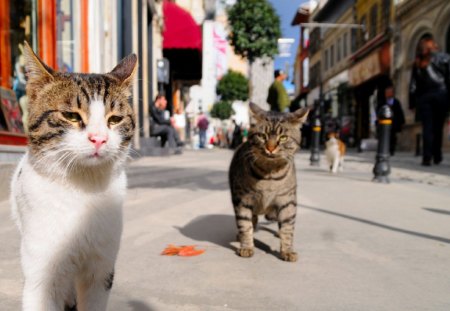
{"x":283,"y":138}
{"x":72,"y":117}
{"x":114,"y":120}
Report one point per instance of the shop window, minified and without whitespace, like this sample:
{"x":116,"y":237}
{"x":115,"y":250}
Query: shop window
{"x":16,"y":26}
{"x":15,"y":22}
{"x":65,"y":39}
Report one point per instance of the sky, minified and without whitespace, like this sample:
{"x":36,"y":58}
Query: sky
{"x":286,"y":9}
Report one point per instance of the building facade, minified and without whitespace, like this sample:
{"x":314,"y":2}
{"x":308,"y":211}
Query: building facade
{"x":77,"y":36}
{"x":370,"y":69}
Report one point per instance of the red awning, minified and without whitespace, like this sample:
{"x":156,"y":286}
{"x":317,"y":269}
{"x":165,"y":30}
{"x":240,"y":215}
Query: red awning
{"x":180,"y":29}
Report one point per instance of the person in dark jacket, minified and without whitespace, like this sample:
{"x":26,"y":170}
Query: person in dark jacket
{"x":161,"y":124}
{"x":398,"y":117}
{"x":429,"y":94}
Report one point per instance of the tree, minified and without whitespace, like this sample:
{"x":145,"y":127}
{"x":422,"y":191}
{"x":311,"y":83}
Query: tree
{"x":222,"y":110}
{"x":233,"y":86}
{"x":255,"y":29}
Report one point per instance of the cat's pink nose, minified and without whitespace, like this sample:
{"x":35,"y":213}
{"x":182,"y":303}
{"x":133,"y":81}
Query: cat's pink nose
{"x":97,"y":140}
{"x":271,"y":147}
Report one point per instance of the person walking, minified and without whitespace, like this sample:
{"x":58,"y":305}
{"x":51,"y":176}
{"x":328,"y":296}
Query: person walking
{"x":398,"y":117}
{"x":278,"y":98}
{"x":429,"y":94}
{"x":202,"y":125}
{"x":161,"y":124}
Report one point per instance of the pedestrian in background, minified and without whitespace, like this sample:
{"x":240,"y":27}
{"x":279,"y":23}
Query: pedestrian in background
{"x":161,"y":124}
{"x":278,"y":98}
{"x":398,"y":117}
{"x":429,"y":94}
{"x":202,"y":125}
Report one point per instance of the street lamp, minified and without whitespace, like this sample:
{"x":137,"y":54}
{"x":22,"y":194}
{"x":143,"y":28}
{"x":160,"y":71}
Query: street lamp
{"x":316,"y":122}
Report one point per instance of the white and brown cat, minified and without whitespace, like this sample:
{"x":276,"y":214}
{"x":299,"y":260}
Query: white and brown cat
{"x":335,"y":152}
{"x":68,"y":189}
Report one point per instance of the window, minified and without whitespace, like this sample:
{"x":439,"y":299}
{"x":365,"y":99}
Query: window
{"x":362,"y":32}
{"x":332,"y":56}
{"x":326,"y":60}
{"x":314,"y":44}
{"x":344,"y":45}
{"x":338,"y":50}
{"x":314,"y":75}
{"x":373,"y":21}
{"x":65,"y":36}
{"x":354,"y":38}
{"x":386,"y":13}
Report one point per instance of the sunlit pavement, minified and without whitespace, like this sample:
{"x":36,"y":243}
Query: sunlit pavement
{"x":362,"y":245}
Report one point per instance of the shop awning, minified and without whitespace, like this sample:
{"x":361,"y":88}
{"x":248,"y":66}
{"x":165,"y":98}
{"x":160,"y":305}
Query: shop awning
{"x":180,"y":29}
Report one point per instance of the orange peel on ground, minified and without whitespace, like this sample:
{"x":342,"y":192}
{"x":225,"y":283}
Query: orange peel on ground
{"x":183,"y":250}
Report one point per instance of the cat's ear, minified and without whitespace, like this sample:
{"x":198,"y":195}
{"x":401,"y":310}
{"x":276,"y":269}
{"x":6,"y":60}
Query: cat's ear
{"x":126,"y":70}
{"x":36,"y":69}
{"x":299,"y":116}
{"x":258,"y":113}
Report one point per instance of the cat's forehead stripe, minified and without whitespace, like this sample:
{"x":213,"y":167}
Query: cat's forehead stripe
{"x":97,"y":107}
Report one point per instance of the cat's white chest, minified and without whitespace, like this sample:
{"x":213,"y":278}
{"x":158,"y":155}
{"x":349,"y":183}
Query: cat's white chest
{"x":62,"y":218}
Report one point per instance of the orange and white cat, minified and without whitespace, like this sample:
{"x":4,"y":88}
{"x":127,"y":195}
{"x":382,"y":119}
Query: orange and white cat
{"x":335,"y":152}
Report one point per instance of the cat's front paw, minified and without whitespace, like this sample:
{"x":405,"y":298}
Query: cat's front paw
{"x":245,"y":252}
{"x":289,"y":256}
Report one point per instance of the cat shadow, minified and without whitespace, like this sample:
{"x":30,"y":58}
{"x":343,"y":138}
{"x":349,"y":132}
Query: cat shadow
{"x":221,"y":230}
{"x":137,"y":305}
{"x":216,"y":229}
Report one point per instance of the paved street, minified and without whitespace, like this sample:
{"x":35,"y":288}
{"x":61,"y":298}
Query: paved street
{"x":362,"y":246}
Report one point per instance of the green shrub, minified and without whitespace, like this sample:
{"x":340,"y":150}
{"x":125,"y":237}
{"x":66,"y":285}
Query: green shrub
{"x":233,"y":86}
{"x":222,"y":110}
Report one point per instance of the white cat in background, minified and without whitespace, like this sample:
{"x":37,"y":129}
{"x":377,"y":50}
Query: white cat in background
{"x":335,"y":152}
{"x":68,"y":189}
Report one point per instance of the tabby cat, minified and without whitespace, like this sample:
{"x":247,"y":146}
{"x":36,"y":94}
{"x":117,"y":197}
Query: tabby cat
{"x":68,"y":190}
{"x":262,"y":177}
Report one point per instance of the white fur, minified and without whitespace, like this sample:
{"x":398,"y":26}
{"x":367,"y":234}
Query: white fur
{"x":333,"y":155}
{"x":68,"y":207}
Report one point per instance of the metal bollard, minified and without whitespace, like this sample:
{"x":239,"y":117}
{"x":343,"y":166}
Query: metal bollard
{"x":382,"y":168}
{"x":315,"y":142}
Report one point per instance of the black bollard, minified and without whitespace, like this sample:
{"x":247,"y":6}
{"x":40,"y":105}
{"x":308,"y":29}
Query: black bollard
{"x":315,"y":141}
{"x":382,"y":168}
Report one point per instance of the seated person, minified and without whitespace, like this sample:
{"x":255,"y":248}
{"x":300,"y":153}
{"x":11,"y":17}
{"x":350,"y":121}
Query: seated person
{"x":160,"y":125}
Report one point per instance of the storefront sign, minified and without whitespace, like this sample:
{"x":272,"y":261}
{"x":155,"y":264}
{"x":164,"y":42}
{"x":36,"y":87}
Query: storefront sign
{"x":365,"y":69}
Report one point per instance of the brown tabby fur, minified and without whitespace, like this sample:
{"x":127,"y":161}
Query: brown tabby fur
{"x":51,"y":93}
{"x":262,"y":178}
